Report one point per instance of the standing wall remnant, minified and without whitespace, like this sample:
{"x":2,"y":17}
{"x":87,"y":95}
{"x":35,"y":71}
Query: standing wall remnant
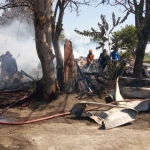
{"x":69,"y":68}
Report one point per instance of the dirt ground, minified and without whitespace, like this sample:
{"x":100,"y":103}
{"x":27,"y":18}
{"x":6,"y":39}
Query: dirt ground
{"x":67,"y":132}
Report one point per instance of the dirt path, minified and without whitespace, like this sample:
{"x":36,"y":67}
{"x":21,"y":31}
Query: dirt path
{"x":66,"y":136}
{"x":69,"y":133}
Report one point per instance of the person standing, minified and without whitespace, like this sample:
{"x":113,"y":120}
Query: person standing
{"x":114,"y":55}
{"x":103,"y":59}
{"x":90,"y":60}
{"x":3,"y":60}
{"x":11,"y":66}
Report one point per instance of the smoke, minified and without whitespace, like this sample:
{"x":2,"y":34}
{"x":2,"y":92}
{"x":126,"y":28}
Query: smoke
{"x":19,"y":40}
{"x":81,"y":46}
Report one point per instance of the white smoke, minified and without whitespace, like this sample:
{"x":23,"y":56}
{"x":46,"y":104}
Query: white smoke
{"x":81,"y":46}
{"x":17,"y":39}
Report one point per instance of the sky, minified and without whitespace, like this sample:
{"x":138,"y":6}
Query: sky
{"x":89,"y":16}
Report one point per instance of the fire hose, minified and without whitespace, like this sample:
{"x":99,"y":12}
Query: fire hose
{"x":53,"y":116}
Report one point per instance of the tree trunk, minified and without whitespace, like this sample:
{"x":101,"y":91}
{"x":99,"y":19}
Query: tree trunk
{"x":59,"y":60}
{"x":140,"y":52}
{"x":56,"y":34}
{"x":43,"y":36}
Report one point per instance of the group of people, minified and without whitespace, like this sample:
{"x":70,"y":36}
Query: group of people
{"x":103,"y":58}
{"x":8,"y":65}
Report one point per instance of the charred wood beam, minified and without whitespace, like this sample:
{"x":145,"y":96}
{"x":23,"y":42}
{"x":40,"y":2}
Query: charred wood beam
{"x":20,"y":88}
{"x":24,"y":73}
{"x":83,"y":77}
{"x":97,"y":74}
{"x":86,"y":80}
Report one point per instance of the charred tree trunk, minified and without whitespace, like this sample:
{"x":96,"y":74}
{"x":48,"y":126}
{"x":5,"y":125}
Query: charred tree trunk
{"x":140,"y":52}
{"x":143,"y":37}
{"x":59,"y":59}
{"x":56,"y":34}
{"x":142,"y":23}
{"x":43,"y":36}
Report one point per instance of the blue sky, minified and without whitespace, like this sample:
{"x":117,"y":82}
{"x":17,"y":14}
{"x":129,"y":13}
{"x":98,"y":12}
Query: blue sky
{"x":89,"y":16}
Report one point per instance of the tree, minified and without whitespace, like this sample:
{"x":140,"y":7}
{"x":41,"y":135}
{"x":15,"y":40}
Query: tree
{"x":43,"y":36}
{"x":62,"y":37}
{"x":141,"y":11}
{"x":22,"y":14}
{"x":104,"y":35}
{"x":57,"y":27}
{"x":126,"y":38}
{"x":46,"y":34}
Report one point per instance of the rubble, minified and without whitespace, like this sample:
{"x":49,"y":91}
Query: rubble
{"x":81,"y":61}
{"x":124,"y":112}
{"x":20,"y":82}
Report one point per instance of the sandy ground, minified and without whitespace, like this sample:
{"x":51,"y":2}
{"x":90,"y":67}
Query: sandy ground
{"x":68,"y":132}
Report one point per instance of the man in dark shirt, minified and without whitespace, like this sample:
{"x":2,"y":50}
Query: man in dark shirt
{"x":11,"y":66}
{"x":3,"y":60}
{"x":103,"y":59}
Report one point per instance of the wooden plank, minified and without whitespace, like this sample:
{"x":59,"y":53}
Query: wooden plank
{"x":69,"y":68}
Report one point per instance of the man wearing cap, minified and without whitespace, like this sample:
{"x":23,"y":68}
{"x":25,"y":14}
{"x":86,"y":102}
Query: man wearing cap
{"x":90,"y":59}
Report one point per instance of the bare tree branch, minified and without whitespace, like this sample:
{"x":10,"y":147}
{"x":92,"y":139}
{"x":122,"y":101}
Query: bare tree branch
{"x":20,"y":3}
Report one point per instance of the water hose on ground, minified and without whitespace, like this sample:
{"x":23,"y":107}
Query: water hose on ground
{"x":51,"y":117}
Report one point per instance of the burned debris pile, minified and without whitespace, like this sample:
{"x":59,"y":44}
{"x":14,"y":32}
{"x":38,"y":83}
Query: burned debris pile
{"x":20,"y":82}
{"x":128,"y":96}
{"x":104,"y":80}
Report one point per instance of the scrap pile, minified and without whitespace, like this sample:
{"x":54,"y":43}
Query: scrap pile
{"x":86,"y":81}
{"x":99,"y":80}
{"x":81,"y":61}
{"x":129,"y":97}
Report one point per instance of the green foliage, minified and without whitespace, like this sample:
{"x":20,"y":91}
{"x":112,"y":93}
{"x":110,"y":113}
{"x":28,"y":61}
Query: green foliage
{"x":127,"y":54}
{"x":147,"y":57}
{"x":126,"y":37}
{"x":32,"y":87}
{"x":104,"y":33}
{"x":114,"y":70}
{"x":62,"y":36}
